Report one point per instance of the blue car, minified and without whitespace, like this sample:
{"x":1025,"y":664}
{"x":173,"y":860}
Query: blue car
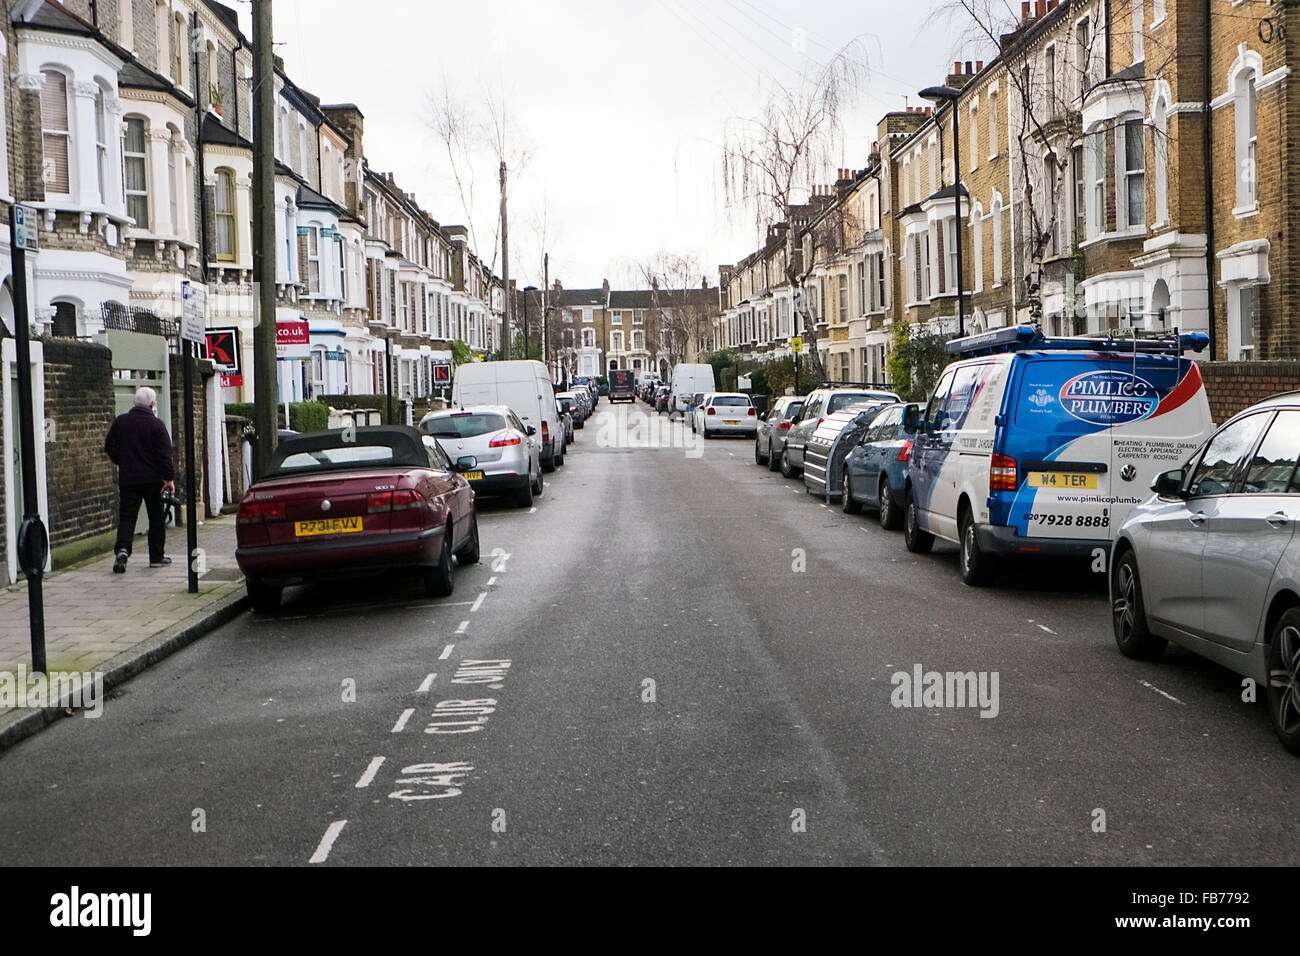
{"x":875,"y":471}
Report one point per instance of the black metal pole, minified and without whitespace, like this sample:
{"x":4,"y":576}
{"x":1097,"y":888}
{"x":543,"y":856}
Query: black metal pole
{"x":956,"y":186}
{"x":32,"y":550}
{"x":191,"y":510}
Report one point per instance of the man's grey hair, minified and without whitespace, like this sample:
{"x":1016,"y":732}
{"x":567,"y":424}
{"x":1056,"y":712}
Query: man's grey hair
{"x":146,"y":397}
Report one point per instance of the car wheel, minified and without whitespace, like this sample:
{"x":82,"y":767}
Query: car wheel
{"x":559,"y":462}
{"x":705,"y":430}
{"x":787,"y":470}
{"x":917,"y":541}
{"x":848,"y":503}
{"x":439,"y":580}
{"x":541,"y":484}
{"x":888,"y":510}
{"x":773,"y":459}
{"x":468,"y":553}
{"x":1128,"y":613}
{"x":524,"y":496}
{"x":977,"y":568}
{"x":548,"y":464}
{"x":758,"y":456}
{"x":262,"y":597}
{"x":1284,"y":680}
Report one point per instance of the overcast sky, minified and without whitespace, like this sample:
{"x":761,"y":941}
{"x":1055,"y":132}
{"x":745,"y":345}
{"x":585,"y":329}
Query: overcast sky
{"x":621,"y":103}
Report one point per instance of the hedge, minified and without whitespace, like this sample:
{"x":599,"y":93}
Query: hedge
{"x":303,"y":416}
{"x":377,"y":402}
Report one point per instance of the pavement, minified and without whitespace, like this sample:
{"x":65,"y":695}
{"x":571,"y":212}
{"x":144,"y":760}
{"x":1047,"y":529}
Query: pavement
{"x":673,"y":658}
{"x":116,"y":625}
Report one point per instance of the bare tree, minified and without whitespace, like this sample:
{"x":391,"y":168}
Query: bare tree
{"x":768,"y":159}
{"x":1047,"y":118}
{"x":477,"y":134}
{"x":682,"y":303}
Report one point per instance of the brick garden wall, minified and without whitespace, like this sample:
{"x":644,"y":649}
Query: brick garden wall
{"x":81,"y":481}
{"x":1233,"y":386}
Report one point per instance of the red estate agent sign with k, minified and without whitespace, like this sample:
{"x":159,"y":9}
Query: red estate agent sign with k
{"x":222,"y":348}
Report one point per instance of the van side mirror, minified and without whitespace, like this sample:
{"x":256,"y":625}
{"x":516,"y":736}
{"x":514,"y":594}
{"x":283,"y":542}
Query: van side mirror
{"x":1169,"y":485}
{"x":912,"y":419}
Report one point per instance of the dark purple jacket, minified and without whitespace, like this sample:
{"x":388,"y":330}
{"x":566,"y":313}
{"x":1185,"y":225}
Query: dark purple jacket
{"x":139,"y":445}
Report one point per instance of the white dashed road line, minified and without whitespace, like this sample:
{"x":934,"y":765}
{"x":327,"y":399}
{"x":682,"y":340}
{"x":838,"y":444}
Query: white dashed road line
{"x":401,"y":721}
{"x":369,"y":775}
{"x":1153,"y":687}
{"x":462,"y":627}
{"x":327,"y":841}
{"x":478,"y":602}
{"x":426,"y":684}
{"x":446,"y":652}
{"x":492,"y":580}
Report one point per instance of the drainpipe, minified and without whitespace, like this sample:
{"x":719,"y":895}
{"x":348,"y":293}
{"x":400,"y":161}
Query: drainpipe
{"x":1207,"y":146}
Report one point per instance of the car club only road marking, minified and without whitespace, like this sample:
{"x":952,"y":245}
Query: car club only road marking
{"x":465,"y":714}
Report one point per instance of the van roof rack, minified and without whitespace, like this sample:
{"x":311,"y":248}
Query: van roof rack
{"x":1022,"y":337}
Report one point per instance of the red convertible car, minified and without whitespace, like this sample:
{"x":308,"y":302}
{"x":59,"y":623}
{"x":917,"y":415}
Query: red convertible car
{"x":343,"y":504}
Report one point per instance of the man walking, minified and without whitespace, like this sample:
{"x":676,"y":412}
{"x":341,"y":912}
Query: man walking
{"x":138,"y":443}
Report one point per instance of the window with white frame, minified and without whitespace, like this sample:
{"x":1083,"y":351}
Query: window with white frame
{"x":1246,"y":110}
{"x":1097,"y":197}
{"x":1160,"y":143}
{"x":934,"y":167}
{"x":993,"y":124}
{"x":1139,"y":32}
{"x":179,"y":46}
{"x":56,"y":135}
{"x":638,"y":340}
{"x":135,"y":166}
{"x":1079,"y":194}
{"x":615,"y":341}
{"x":977,"y":246}
{"x":173,"y":186}
{"x":616,"y":318}
{"x":313,"y":259}
{"x":907,"y":175}
{"x":1135,"y":186}
{"x":880,"y":282}
{"x":974,"y":138}
{"x":1049,"y":77}
{"x":101,"y":144}
{"x":1247,"y":309}
{"x":588,"y":338}
{"x":950,"y":255}
{"x":864,"y":288}
{"x":1083,"y":54}
{"x":997,"y":243}
{"x":844,"y":298}
{"x":1051,"y":211}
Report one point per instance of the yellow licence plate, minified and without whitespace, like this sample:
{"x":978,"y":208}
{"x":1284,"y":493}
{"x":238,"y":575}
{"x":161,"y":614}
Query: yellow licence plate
{"x":1065,"y":480}
{"x":472,"y":475}
{"x":732,"y":421}
{"x":327,"y":526}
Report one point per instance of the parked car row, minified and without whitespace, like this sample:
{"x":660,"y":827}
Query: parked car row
{"x":1093,"y":448}
{"x":338,"y":505}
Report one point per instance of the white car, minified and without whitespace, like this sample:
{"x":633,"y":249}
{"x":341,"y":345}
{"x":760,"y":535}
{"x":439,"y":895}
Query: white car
{"x":727,"y":413}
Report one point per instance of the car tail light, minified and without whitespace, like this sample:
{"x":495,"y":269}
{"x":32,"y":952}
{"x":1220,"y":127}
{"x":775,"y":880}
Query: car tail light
{"x":502,"y":440}
{"x":255,"y":512}
{"x":819,"y":424}
{"x":405,"y":499}
{"x":784,"y":426}
{"x":1002,"y":473}
{"x":711,"y":411}
{"x":377,"y":502}
{"x":905,"y":453}
{"x":752,"y":411}
{"x":546,"y":431}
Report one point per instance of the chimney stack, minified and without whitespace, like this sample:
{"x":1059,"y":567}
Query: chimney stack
{"x":969,"y":71}
{"x":1024,"y":10}
{"x":979,"y":66}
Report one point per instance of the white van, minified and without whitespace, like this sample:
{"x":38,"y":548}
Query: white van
{"x":1040,"y":447}
{"x":687,"y":380}
{"x":522,"y":385}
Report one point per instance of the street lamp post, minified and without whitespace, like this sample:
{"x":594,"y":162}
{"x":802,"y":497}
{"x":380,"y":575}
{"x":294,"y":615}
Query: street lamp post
{"x":941,"y":95}
{"x":527,"y":290}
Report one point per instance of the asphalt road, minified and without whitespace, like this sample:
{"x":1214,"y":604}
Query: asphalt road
{"x":674,"y":659}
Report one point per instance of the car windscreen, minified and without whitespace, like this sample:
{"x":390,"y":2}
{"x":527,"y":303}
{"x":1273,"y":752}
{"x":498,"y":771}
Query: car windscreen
{"x":731,"y":400}
{"x":567,"y":404}
{"x":466,"y":425}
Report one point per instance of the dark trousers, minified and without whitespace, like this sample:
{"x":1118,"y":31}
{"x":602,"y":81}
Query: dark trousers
{"x":131,"y":497}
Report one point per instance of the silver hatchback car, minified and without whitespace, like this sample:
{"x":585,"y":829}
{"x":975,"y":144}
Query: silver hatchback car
{"x":1212,"y":561}
{"x":507,"y":453}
